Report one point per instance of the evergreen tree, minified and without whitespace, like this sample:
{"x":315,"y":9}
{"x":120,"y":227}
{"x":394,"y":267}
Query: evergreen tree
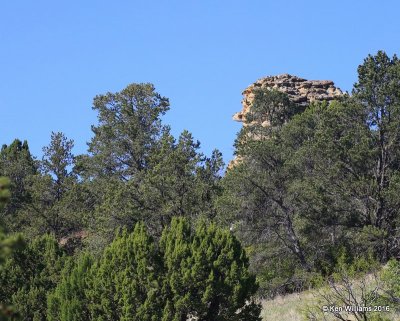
{"x":28,"y":274}
{"x":377,"y":90}
{"x":68,"y":302}
{"x":4,"y":191}
{"x":56,"y":197}
{"x":258,"y":194}
{"x":124,"y":285}
{"x":271,"y":109}
{"x":175,"y":246}
{"x":180,"y":181}
{"x":16,"y":163}
{"x":57,"y":162}
{"x":8,"y":246}
{"x":300,"y":191}
{"x":201,"y":273}
{"x":129,"y":124}
{"x":224,"y":286}
{"x":321,"y":181}
{"x":138,"y":171}
{"x":206,"y":274}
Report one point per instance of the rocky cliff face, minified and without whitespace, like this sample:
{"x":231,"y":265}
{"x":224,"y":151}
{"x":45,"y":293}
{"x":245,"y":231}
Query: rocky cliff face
{"x":299,"y":90}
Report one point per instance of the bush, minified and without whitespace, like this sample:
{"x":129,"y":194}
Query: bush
{"x":201,"y":273}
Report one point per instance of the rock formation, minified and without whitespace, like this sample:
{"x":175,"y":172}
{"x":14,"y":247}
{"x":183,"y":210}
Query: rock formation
{"x":299,"y":90}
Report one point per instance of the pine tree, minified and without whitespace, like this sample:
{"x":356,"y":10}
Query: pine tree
{"x":4,"y":191}
{"x":129,"y":124}
{"x":377,"y":90}
{"x":17,"y":163}
{"x":56,"y":195}
{"x":180,"y":181}
{"x":138,"y":171}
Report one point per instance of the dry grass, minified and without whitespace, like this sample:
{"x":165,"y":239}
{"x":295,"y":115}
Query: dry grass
{"x":291,"y":307}
{"x":287,"y":308}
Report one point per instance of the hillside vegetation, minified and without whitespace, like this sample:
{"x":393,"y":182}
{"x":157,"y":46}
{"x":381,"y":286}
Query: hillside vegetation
{"x":146,"y":227}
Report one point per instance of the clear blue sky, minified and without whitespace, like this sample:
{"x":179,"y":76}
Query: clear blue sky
{"x":57,"y":55}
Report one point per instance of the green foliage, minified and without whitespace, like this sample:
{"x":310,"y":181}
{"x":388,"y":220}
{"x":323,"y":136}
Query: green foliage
{"x":56,"y":160}
{"x":8,"y":245}
{"x":68,"y":302}
{"x":129,"y":124}
{"x":314,"y":194}
{"x":179,"y":181}
{"x":4,"y":191}
{"x":45,"y":194}
{"x":124,"y":284}
{"x":200,"y":273}
{"x":377,"y":90}
{"x":175,"y":246}
{"x":137,"y":171}
{"x":16,"y":163}
{"x":28,"y":274}
{"x":206,"y":274}
{"x":259,"y":196}
{"x":55,"y":203}
{"x":272,"y":109}
{"x":312,"y":182}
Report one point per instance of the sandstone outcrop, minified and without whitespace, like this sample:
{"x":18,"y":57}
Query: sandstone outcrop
{"x":299,"y":90}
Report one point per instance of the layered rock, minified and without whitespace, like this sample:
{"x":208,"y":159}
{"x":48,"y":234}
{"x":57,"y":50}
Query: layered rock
{"x":299,"y":90}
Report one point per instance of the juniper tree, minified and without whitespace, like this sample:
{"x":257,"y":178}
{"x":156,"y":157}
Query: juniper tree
{"x":68,"y":301}
{"x":28,"y":274}
{"x":206,"y":274}
{"x":124,"y":284}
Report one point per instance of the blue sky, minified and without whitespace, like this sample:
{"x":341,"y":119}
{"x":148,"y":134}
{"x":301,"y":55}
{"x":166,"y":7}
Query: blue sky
{"x":57,"y":55}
